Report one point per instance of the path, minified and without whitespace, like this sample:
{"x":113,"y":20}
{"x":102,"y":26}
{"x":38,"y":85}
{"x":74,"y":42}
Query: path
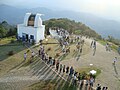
{"x":102,"y":60}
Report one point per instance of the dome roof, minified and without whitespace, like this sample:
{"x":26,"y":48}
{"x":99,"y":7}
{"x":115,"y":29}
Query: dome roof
{"x":32,"y":20}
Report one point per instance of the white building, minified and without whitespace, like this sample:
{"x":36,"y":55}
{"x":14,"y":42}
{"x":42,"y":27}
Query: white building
{"x":32,"y":28}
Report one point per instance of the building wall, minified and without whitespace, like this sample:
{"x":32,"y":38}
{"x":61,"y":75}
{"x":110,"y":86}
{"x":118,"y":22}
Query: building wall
{"x":37,"y":32}
{"x":40,"y":33}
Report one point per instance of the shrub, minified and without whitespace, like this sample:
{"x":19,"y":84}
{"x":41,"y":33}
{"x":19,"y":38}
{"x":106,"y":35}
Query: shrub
{"x":57,"y":55}
{"x":12,"y":41}
{"x":49,"y":49}
{"x":10,"y":53}
{"x":28,"y":51}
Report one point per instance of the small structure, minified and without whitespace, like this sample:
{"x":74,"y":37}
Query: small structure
{"x":93,"y":72}
{"x":32,"y":29}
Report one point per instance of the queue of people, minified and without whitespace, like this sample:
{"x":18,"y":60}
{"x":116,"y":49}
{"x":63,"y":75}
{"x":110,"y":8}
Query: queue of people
{"x":76,"y":78}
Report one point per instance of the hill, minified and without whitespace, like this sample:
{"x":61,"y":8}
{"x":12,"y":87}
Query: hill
{"x":7,"y":30}
{"x":71,"y":26}
{"x":102,"y":26}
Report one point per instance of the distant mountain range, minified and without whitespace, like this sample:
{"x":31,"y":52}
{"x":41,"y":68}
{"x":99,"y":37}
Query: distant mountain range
{"x":103,"y":26}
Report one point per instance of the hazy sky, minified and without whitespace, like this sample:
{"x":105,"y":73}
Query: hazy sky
{"x":104,"y":8}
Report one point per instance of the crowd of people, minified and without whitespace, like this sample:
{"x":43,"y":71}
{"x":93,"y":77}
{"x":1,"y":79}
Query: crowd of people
{"x":66,"y":40}
{"x":77,"y":79}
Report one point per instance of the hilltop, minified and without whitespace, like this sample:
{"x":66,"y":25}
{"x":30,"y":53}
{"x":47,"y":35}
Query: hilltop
{"x":71,"y":26}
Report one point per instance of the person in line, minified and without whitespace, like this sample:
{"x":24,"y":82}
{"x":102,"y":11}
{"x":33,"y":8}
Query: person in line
{"x":86,"y":84}
{"x":91,"y":81}
{"x":63,"y":69}
{"x":46,"y":57}
{"x":39,"y":52}
{"x":60,"y":68}
{"x":74,"y":80}
{"x":53,"y":62}
{"x":98,"y":87}
{"x":106,"y":88}
{"x":79,"y":78}
{"x":57,"y":66}
{"x":81,"y":85}
{"x":103,"y":88}
{"x":71,"y":71}
{"x":33,"y":54}
{"x":67,"y":69}
{"x":43,"y":56}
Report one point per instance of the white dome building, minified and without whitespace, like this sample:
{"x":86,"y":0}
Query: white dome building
{"x":32,"y":28}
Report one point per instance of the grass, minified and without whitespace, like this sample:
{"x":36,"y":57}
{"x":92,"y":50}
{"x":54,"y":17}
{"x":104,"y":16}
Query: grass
{"x":5,"y":49}
{"x":114,"y":47}
{"x":77,"y":32}
{"x":7,"y":40}
{"x":88,"y":69}
{"x":102,"y":42}
{"x":8,"y":62}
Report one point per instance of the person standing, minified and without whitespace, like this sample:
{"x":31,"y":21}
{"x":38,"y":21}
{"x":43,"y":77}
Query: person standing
{"x":91,"y":44}
{"x":106,"y":46}
{"x":106,"y":88}
{"x":63,"y":68}
{"x":60,"y":68}
{"x":91,"y":81}
{"x":98,"y":87}
{"x":67,"y":69}
{"x":103,"y":88}
{"x":39,"y":52}
{"x":114,"y":60}
{"x":57,"y":65}
{"x":25,"y":56}
{"x":33,"y":54}
{"x":71,"y":72}
{"x":46,"y":57}
{"x":94,"y":44}
{"x":119,"y":50}
{"x":74,"y":80}
{"x":54,"y":62}
{"x":51,"y":61}
{"x":79,"y":77}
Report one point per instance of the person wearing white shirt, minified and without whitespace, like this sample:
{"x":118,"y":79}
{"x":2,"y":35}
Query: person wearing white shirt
{"x":114,"y":60}
{"x":25,"y":56}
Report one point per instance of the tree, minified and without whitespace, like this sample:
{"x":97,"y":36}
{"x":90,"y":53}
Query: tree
{"x":3,"y":31}
{"x":12,"y":31}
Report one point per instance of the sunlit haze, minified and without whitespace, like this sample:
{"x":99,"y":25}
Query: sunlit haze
{"x":104,"y":8}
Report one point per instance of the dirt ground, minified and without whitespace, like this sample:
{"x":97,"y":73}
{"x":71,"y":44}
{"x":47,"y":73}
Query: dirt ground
{"x":110,"y":74}
{"x":19,"y":78}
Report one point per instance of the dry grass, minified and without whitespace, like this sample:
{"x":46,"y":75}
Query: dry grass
{"x":8,"y":62}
